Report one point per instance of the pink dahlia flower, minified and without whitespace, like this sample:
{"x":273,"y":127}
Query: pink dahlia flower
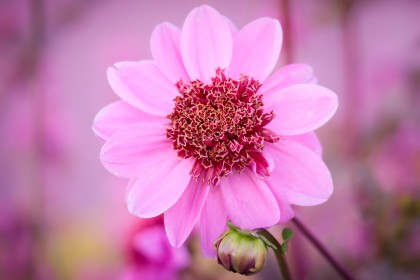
{"x":150,"y":256}
{"x":205,"y":133}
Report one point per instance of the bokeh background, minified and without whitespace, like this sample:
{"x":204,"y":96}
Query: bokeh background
{"x":62,"y":216}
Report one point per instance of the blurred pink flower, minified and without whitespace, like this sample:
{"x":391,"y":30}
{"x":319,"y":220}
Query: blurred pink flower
{"x":151,"y":257}
{"x":204,"y":132}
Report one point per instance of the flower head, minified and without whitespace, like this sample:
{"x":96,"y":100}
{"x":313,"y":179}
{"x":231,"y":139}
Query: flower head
{"x":150,"y":256}
{"x":204,"y":132}
{"x":221,"y":125}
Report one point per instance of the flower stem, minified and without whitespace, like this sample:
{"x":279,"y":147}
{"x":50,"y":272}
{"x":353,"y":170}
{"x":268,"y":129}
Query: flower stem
{"x":278,"y":252}
{"x":327,"y":255}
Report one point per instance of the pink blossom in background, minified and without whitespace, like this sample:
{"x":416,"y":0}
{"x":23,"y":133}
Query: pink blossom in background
{"x":150,"y":256}
{"x":165,"y":132}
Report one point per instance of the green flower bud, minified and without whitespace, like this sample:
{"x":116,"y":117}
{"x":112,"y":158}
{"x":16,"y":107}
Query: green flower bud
{"x":241,"y":252}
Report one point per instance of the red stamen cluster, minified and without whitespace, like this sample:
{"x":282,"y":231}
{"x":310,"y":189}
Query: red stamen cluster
{"x":221,"y":125}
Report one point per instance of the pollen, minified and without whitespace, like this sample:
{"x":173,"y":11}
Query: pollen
{"x":221,"y":125}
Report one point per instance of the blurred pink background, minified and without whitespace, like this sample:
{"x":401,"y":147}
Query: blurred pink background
{"x":63,"y":216}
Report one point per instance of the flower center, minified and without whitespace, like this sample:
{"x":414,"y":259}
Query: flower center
{"x":221,"y":125}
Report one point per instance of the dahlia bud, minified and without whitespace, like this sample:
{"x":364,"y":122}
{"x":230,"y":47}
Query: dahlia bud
{"x":241,"y":251}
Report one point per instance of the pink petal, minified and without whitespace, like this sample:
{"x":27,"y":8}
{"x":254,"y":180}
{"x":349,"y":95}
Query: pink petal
{"x":159,"y":187}
{"x":181,"y":218}
{"x":286,"y":211}
{"x":212,"y":222}
{"x":133,"y":149}
{"x":119,"y":114}
{"x":206,"y":43}
{"x":148,"y":242}
{"x":165,"y":45}
{"x":287,"y":76}
{"x":142,"y":85}
{"x":300,"y":108}
{"x":310,"y":140}
{"x":300,"y":176}
{"x":249,"y":202}
{"x":256,"y":49}
{"x":269,"y":159}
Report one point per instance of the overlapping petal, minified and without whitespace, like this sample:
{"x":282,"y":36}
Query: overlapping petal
{"x":286,"y":76}
{"x":248,"y":201}
{"x":206,"y":43}
{"x":310,"y":140}
{"x":300,"y":108}
{"x":265,"y":169}
{"x":119,"y":114}
{"x":142,"y":85}
{"x":286,"y":211}
{"x":165,"y":46}
{"x":181,"y":218}
{"x":159,"y":187}
{"x":256,"y":49}
{"x":136,"y":148}
{"x":212,"y":221}
{"x":299,"y":175}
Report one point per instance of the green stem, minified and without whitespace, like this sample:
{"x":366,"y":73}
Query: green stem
{"x":278,"y":252}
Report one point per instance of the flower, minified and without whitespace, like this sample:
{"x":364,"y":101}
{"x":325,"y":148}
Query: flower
{"x":150,"y":256}
{"x":241,"y":252}
{"x":205,"y":133}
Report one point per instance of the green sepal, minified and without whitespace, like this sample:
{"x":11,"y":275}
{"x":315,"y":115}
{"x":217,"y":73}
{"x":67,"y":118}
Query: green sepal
{"x":286,"y":234}
{"x":253,"y":233}
{"x":232,"y":226}
{"x":266,"y":241}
